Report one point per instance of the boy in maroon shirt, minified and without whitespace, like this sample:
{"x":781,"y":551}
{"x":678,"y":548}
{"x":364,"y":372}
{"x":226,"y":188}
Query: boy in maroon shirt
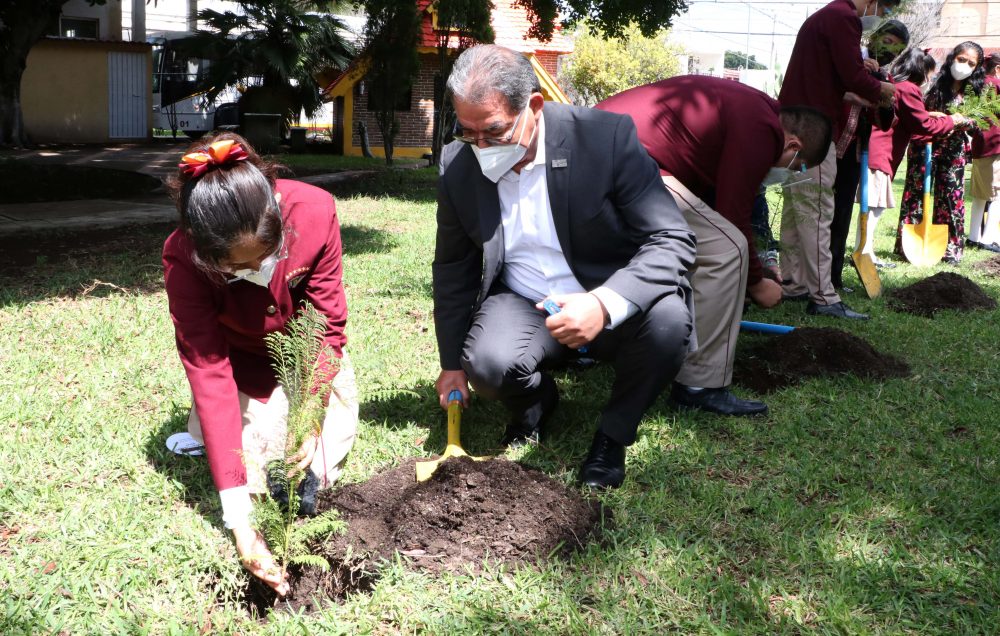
{"x":825,"y":70}
{"x":714,"y":141}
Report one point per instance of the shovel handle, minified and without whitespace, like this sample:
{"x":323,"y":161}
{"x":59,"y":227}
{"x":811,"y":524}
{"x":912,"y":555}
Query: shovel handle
{"x":455,"y":418}
{"x":552,"y":308}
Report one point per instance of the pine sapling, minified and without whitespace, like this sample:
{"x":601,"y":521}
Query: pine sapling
{"x":983,"y":109}
{"x":302,"y":363}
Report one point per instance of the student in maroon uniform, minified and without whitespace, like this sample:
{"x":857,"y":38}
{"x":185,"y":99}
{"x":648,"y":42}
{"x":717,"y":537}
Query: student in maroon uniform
{"x":825,"y":69}
{"x":886,"y":149}
{"x":715,"y":141}
{"x":248,"y":251}
{"x":986,"y":175}
{"x":884,"y":45}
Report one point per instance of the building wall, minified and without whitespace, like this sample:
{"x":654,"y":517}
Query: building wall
{"x":58,"y":105}
{"x":416,"y":126}
{"x":963,"y":20}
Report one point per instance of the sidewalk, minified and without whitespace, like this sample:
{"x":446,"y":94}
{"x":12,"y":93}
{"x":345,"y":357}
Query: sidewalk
{"x":157,"y":158}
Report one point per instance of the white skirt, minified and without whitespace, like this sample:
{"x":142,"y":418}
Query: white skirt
{"x":879,"y":190}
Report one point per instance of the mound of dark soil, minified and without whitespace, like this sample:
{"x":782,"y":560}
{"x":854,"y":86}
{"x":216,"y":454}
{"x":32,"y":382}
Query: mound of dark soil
{"x":991,"y":266}
{"x":774,"y":362}
{"x":469,"y":512}
{"x":944,"y":290}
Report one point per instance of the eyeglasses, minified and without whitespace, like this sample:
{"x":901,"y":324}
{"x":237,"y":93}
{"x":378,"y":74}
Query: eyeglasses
{"x":489,"y":141}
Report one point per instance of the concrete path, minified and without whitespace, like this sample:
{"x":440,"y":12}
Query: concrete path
{"x":158,"y":158}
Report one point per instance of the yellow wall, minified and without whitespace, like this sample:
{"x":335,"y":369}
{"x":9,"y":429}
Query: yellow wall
{"x":64,"y":91}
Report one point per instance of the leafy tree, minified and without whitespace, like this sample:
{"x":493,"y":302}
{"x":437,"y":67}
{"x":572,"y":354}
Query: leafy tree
{"x":275,"y":47}
{"x":735,"y":60}
{"x":612,"y":17}
{"x":461,"y":23}
{"x":391,"y":37}
{"x":22,"y":24}
{"x":603,"y":66}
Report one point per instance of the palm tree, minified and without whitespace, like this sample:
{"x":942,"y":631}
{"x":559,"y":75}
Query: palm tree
{"x":274,"y":48}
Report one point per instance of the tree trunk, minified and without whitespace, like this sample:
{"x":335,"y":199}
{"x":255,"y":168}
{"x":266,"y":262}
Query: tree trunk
{"x":24,"y":23}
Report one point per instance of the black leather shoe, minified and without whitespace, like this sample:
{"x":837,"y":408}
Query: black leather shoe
{"x":720,"y":400}
{"x":836,"y":310}
{"x":527,"y":427}
{"x":973,"y":244}
{"x":795,"y":298}
{"x":605,"y":463}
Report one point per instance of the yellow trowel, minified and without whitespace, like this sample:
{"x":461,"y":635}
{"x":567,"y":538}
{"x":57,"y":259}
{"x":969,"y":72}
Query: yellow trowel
{"x":426,"y":468}
{"x":925,"y":243}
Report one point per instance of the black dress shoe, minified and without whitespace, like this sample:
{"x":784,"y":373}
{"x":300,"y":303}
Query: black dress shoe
{"x":605,"y":463}
{"x":526,"y":428}
{"x":973,"y":244}
{"x":720,"y":400}
{"x":836,"y":310}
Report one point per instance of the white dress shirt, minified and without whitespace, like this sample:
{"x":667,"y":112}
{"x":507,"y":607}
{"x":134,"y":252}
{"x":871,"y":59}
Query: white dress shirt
{"x":534,"y":264}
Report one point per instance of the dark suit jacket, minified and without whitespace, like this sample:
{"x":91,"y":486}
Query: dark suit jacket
{"x":616,"y":223}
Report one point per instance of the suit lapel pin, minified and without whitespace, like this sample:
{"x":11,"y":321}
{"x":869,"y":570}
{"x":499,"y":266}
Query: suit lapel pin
{"x":559,"y":163}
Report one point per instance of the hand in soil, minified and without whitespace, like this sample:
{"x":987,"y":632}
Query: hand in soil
{"x":257,"y":559}
{"x":303,"y":459}
{"x":449,"y":381}
{"x":765,"y":293}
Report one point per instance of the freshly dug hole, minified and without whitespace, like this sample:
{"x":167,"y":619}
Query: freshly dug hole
{"x":774,"y":362}
{"x":944,"y":290}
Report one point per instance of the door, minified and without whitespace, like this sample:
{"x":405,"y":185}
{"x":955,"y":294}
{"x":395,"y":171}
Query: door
{"x":128,"y":90}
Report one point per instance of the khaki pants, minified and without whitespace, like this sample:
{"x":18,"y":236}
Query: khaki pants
{"x":264,"y":430}
{"x":806,"y":215}
{"x":719,"y":280}
{"x":985,"y":178}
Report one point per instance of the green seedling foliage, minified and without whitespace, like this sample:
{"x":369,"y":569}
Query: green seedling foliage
{"x":982,"y":109}
{"x":302,"y":363}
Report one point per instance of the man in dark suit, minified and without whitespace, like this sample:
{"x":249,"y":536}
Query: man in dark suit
{"x":565,"y":206}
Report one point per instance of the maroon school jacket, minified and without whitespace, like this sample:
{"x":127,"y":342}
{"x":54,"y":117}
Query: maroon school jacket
{"x":220,"y":326}
{"x":825,"y":63}
{"x":712,"y":135}
{"x":986,"y":143}
{"x":886,"y":149}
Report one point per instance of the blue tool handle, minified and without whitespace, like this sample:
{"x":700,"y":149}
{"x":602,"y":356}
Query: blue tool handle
{"x":928,"y":151}
{"x":550,"y":306}
{"x":864,"y":181}
{"x":763,"y":327}
{"x":454,"y":396}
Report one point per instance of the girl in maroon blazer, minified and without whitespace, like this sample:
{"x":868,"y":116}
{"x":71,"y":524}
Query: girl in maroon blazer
{"x":886,"y":148}
{"x":249,"y":250}
{"x":962,"y":68}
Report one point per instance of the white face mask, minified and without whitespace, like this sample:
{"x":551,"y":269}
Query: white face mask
{"x":496,"y":161}
{"x":260,"y":276}
{"x":871,"y":22}
{"x":961,"y":71}
{"x":780,"y":175}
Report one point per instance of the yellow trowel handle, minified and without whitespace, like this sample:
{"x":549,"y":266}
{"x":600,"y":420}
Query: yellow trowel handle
{"x":928,"y":153}
{"x":455,"y":418}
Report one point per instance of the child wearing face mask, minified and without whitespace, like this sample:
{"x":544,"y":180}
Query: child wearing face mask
{"x":986,"y":175}
{"x":249,"y":250}
{"x":909,"y":72}
{"x":961,"y":69}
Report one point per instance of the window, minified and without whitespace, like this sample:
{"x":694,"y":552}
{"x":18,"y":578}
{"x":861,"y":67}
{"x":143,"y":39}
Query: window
{"x":85,"y":28}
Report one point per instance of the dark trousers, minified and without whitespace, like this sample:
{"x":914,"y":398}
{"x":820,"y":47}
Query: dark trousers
{"x":845,"y":189}
{"x":508,"y":343}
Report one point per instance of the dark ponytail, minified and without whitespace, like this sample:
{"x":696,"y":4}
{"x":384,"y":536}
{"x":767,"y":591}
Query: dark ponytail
{"x":227,"y":203}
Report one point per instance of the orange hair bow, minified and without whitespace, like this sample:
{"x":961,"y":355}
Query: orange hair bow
{"x":217,"y":154}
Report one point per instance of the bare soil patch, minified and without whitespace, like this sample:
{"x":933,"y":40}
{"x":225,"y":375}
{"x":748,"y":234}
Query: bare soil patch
{"x":469,"y":513}
{"x":769,"y":363}
{"x":944,"y":290}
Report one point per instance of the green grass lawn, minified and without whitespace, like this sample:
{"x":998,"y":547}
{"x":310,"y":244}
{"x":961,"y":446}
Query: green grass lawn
{"x":855,"y":507}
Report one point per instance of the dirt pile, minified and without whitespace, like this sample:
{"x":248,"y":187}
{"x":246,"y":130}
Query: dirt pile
{"x":467,"y":513}
{"x":944,"y":290}
{"x":991,"y":266}
{"x":769,"y":363}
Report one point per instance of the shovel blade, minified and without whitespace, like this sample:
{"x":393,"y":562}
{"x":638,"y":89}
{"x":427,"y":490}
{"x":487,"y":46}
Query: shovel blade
{"x":925,"y":243}
{"x":868,"y":273}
